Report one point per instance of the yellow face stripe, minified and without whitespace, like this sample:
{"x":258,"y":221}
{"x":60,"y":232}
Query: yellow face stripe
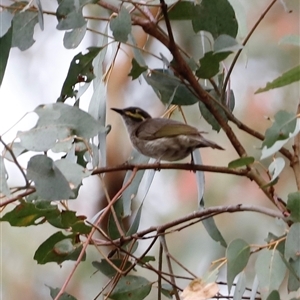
{"x":136,"y":115}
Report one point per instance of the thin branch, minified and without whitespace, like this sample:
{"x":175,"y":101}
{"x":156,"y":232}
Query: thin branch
{"x":244,"y":43}
{"x":86,"y":243}
{"x":15,"y":161}
{"x":216,"y":210}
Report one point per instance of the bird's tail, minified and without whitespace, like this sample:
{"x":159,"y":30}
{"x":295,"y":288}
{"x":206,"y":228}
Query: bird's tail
{"x":207,"y":143}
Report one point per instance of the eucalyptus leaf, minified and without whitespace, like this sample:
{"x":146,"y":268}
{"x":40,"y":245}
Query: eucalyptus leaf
{"x":74,"y":37}
{"x":5,"y":46}
{"x":49,"y":182}
{"x":290,"y":76}
{"x":121,"y":25}
{"x":168,"y":87}
{"x":292,"y":244}
{"x":293,"y":205}
{"x":64,"y":296}
{"x":270,"y":270}
{"x":23,"y":27}
{"x":131,"y":287}
{"x":80,"y":71}
{"x":4,"y":189}
{"x":237,"y":254}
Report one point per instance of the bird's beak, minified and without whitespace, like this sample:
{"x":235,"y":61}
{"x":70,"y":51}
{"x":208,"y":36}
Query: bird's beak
{"x":119,"y":111}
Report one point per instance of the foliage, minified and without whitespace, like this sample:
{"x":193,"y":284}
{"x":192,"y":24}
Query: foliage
{"x":49,"y":183}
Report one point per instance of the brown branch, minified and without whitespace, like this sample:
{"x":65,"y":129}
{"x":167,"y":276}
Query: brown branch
{"x":208,"y":212}
{"x":295,"y":162}
{"x":172,"y":166}
{"x":244,"y":43}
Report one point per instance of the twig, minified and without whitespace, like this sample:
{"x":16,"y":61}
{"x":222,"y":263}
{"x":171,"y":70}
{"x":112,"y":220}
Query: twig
{"x":86,"y":243}
{"x":244,"y":43}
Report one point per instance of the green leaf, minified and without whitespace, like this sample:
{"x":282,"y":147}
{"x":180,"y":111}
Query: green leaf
{"x":210,"y":64}
{"x":23,"y":27}
{"x":80,"y":71}
{"x":5,"y":21}
{"x":292,"y":244}
{"x":237,"y":254}
{"x":243,"y":161}
{"x":26,"y":214}
{"x":294,"y":277}
{"x":170,"y":89}
{"x":67,"y":219}
{"x":107,"y":269}
{"x":5,"y":45}
{"x":291,"y":76}
{"x":274,"y":295}
{"x":284,"y":124}
{"x":57,"y":123}
{"x":136,"y":222}
{"x":73,"y":38}
{"x":214,"y":16}
{"x":136,"y":69}
{"x":293,"y":205}
{"x":121,"y":25}
{"x":207,"y":115}
{"x":65,"y":296}
{"x":270,"y":270}
{"x":58,"y":248}
{"x":131,"y":287}
{"x":167,"y":290}
{"x":49,"y":182}
{"x":4,"y":189}
{"x":40,"y":14}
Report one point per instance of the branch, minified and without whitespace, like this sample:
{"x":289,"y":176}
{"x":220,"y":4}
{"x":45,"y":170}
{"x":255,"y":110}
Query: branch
{"x":216,"y":210}
{"x":171,"y":166}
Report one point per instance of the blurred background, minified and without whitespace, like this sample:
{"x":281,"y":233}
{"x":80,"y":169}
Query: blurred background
{"x":36,"y":76}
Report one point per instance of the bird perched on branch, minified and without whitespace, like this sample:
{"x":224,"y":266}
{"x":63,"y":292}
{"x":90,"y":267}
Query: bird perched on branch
{"x":163,"y":139}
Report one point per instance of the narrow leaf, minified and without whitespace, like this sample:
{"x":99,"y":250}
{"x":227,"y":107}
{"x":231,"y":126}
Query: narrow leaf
{"x":241,"y":162}
{"x":5,"y":45}
{"x":291,"y":76}
{"x":292,"y":244}
{"x":270,"y":270}
{"x":4,"y":189}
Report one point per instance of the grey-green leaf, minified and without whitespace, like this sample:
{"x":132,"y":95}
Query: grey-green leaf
{"x":73,"y":38}
{"x":58,"y":122}
{"x":4,"y":189}
{"x":131,"y":287}
{"x":23,"y":29}
{"x":121,"y":25}
{"x":270,"y":270}
{"x":49,"y":182}
{"x":292,"y":244}
{"x":237,"y":255}
{"x":290,"y":76}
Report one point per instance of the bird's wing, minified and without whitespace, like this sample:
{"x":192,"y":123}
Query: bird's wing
{"x":159,"y":127}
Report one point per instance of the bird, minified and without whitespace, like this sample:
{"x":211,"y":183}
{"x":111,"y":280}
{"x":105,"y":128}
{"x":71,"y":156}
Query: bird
{"x":160,"y":138}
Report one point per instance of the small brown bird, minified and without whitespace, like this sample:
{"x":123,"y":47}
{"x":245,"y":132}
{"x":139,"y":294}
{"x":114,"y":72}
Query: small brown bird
{"x":163,"y":139}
